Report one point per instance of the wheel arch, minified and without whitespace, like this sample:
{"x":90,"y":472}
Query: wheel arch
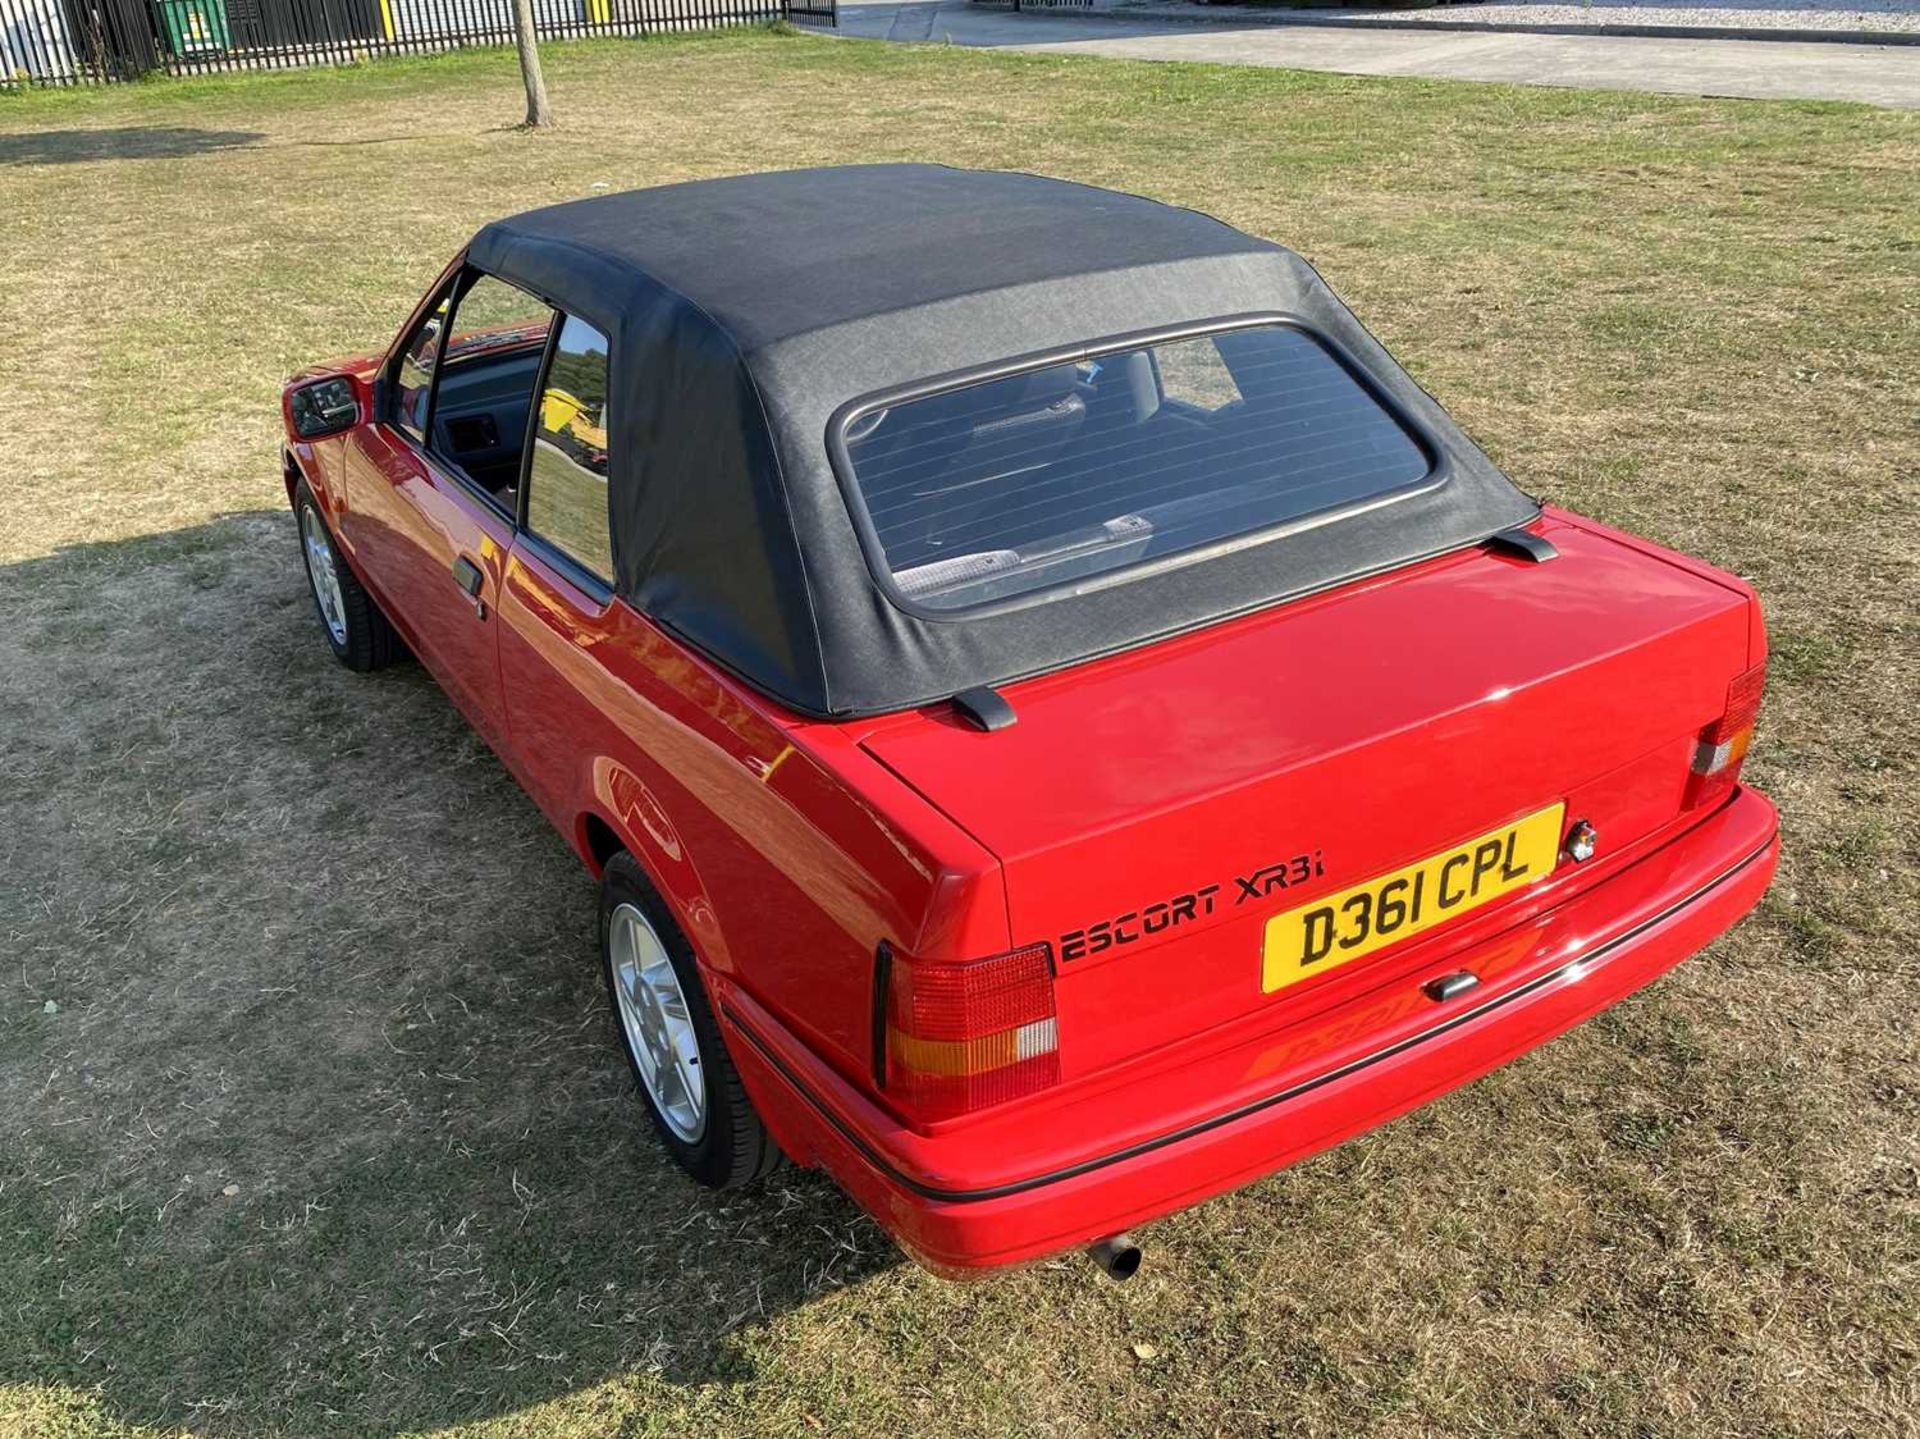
{"x":293,"y":473}
{"x":624,"y":814}
{"x":597,"y":842}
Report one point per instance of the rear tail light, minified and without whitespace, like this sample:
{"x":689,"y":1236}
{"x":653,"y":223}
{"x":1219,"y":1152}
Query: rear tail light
{"x":1723,"y":744}
{"x":959,"y":1037}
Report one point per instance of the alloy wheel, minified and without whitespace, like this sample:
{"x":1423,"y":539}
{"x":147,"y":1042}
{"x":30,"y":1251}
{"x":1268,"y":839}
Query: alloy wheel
{"x":658,"y":1028}
{"x":322,"y":574}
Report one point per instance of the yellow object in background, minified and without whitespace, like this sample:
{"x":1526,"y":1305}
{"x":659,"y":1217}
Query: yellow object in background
{"x":561,"y":413}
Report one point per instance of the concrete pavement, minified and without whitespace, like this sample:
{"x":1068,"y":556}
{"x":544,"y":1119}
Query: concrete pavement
{"x":1753,"y":69}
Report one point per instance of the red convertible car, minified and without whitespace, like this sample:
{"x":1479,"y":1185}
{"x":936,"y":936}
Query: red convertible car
{"x":1065,"y":726}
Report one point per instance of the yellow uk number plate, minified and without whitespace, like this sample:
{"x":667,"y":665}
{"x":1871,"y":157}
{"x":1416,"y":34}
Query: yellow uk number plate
{"x":1342,"y":927}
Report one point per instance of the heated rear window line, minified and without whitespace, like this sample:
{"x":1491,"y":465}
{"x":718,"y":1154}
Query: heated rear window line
{"x":1191,"y":440}
{"x":1296,"y":457}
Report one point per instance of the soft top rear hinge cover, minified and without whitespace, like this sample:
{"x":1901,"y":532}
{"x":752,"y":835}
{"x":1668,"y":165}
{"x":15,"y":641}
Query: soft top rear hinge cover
{"x":984,"y":708}
{"x":1523,"y":543}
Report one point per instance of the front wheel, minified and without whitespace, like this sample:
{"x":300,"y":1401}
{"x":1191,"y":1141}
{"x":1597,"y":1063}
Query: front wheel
{"x":693,"y":1093}
{"x":357,"y":633}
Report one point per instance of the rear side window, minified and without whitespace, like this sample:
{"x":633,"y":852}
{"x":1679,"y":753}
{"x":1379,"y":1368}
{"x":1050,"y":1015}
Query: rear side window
{"x":567,"y":476}
{"x":1010,"y":485}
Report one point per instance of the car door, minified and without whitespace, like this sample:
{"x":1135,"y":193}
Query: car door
{"x":432,"y":488}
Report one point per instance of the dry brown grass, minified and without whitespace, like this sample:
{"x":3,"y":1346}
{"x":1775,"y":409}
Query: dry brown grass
{"x":304,"y":939}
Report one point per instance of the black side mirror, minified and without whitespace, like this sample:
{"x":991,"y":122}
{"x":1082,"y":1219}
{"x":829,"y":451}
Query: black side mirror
{"x":325,"y":407}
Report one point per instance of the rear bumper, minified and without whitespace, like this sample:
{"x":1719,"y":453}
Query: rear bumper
{"x":949,"y":1204}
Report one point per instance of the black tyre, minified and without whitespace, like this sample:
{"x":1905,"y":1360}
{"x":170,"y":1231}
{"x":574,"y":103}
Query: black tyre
{"x":685,"y":1075}
{"x":356,"y":631}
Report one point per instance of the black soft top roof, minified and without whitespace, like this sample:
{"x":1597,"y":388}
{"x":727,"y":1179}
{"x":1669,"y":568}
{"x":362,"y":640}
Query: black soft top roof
{"x":745,"y":312}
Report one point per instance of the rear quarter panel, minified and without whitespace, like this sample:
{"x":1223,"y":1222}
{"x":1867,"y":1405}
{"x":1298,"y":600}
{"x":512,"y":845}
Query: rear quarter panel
{"x":1756,"y":615}
{"x":784,"y":851}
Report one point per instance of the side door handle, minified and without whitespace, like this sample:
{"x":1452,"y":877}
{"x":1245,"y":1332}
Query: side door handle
{"x":466,"y":574}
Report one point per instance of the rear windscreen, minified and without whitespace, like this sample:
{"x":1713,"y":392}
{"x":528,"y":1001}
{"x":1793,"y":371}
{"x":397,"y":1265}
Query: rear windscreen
{"x":1057,"y":474}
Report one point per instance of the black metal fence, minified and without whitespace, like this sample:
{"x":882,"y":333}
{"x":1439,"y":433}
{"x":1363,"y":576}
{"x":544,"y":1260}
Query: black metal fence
{"x":65,"y":42}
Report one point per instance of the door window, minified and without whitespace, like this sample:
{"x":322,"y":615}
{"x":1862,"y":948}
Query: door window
{"x":567,"y":476}
{"x":483,"y":393}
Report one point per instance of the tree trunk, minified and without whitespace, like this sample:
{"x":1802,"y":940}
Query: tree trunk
{"x":539,"y":112}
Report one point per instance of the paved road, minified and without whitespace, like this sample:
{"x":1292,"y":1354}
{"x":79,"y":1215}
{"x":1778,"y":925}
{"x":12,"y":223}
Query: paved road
{"x":1757,"y":69}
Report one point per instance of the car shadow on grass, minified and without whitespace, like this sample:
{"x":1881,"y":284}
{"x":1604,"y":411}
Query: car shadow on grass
{"x":129,"y":142}
{"x":315,"y":1118}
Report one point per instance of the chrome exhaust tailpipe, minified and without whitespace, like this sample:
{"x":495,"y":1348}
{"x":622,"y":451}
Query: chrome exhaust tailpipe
{"x":1116,"y":1256}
